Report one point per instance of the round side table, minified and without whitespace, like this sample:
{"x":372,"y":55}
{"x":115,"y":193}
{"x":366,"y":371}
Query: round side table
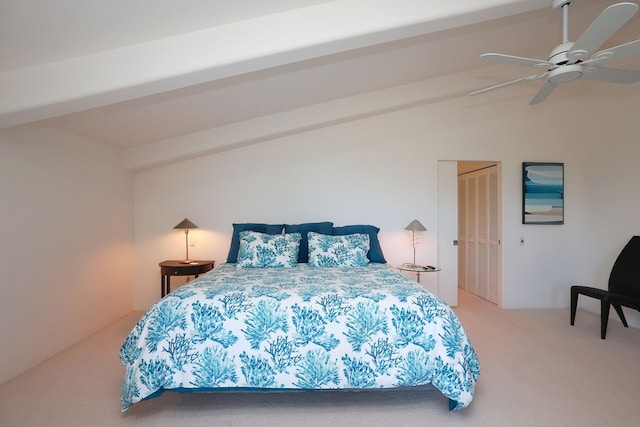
{"x":418,"y":269}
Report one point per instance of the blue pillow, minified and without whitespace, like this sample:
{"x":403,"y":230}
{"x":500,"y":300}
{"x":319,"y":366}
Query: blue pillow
{"x":260,"y":228}
{"x":303,"y":229}
{"x":375,"y":250}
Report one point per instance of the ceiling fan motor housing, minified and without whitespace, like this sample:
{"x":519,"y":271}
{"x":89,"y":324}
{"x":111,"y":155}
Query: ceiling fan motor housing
{"x":563,"y":70}
{"x":558,"y":55}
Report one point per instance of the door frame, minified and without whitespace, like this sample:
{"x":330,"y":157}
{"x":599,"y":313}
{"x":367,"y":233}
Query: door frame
{"x":447,"y":284}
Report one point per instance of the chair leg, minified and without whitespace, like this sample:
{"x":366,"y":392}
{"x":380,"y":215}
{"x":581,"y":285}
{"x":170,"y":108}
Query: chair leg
{"x":620,"y":314}
{"x":604,"y":316}
{"x":574,"y":304}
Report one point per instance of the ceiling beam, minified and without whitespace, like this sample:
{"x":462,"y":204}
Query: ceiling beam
{"x":146,"y":69}
{"x":278,"y":125}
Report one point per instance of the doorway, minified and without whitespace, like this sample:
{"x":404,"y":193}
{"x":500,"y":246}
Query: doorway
{"x":470,"y":229}
{"x":479,"y":225}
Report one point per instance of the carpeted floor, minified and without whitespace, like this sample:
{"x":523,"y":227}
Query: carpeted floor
{"x":536,"y":371}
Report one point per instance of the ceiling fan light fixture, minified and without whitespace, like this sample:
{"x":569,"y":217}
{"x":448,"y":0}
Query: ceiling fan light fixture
{"x":566,"y":73}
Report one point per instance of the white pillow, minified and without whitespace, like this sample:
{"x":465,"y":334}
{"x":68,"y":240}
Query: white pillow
{"x":268,"y":250}
{"x":333,"y":251}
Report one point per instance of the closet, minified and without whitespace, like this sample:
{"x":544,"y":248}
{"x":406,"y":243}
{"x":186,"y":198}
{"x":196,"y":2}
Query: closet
{"x":479,"y":256}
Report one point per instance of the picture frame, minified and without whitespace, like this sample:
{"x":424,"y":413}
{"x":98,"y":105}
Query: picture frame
{"x":542,"y":193}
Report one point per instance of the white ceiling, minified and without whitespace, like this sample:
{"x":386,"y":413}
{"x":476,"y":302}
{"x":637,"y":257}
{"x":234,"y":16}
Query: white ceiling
{"x":42,"y":32}
{"x":130,"y":73}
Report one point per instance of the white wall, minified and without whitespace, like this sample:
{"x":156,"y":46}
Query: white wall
{"x":66,"y":243}
{"x":383,"y":170}
{"x":611,"y":198}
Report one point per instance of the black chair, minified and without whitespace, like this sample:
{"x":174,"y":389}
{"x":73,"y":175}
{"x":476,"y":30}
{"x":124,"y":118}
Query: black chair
{"x":624,"y":287}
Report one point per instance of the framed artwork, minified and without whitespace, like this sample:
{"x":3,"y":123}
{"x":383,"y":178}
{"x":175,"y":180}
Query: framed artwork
{"x":542,"y":193}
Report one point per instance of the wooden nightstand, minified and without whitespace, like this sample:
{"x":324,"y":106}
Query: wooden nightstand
{"x":179,"y":268}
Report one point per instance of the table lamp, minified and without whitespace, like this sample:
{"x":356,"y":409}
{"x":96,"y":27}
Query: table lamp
{"x":186,"y":225}
{"x":414,"y":226}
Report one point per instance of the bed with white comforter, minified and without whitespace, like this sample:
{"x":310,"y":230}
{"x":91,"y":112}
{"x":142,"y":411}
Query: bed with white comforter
{"x":299,"y":328}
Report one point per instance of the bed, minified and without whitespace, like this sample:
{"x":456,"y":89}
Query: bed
{"x":264,"y":322}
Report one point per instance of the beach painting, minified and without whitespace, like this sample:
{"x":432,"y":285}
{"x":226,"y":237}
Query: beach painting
{"x":542,"y":193}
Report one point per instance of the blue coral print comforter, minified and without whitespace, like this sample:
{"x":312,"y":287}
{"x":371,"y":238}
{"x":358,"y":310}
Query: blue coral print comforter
{"x":299,"y":328}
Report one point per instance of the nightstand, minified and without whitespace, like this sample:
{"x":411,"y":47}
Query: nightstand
{"x":418,"y":269}
{"x":179,"y":268}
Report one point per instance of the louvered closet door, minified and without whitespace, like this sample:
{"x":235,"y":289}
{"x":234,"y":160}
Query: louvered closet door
{"x":482,"y":238}
{"x":494,"y":237}
{"x":462,"y":234}
{"x":479,"y":233}
{"x":472,"y":235}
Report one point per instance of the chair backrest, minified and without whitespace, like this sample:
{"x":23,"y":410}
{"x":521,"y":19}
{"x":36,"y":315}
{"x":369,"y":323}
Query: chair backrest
{"x":625,"y":274}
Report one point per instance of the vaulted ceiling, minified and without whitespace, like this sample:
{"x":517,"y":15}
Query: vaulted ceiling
{"x":135,"y":73}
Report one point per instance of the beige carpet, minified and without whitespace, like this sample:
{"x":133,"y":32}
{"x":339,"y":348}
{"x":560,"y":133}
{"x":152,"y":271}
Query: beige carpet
{"x":536,"y":371}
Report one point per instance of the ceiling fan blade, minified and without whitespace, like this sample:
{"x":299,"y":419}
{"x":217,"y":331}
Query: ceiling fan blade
{"x":612,"y":75}
{"x":543,"y":93}
{"x":605,"y":25}
{"x":509,"y":83}
{"x":619,"y":52}
{"x":516,"y":60}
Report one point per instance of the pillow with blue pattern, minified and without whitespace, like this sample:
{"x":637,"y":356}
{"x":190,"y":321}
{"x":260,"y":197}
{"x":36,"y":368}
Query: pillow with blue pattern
{"x":375,"y":250}
{"x":333,"y":251}
{"x":249,"y":226}
{"x":304,"y":228}
{"x":259,"y":250}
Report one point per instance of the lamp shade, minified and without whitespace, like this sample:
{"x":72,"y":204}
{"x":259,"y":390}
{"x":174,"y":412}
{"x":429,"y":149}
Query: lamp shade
{"x":185,"y":223}
{"x":415,"y":225}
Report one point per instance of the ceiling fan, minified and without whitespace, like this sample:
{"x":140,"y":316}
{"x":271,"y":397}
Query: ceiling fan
{"x":572,"y":60}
